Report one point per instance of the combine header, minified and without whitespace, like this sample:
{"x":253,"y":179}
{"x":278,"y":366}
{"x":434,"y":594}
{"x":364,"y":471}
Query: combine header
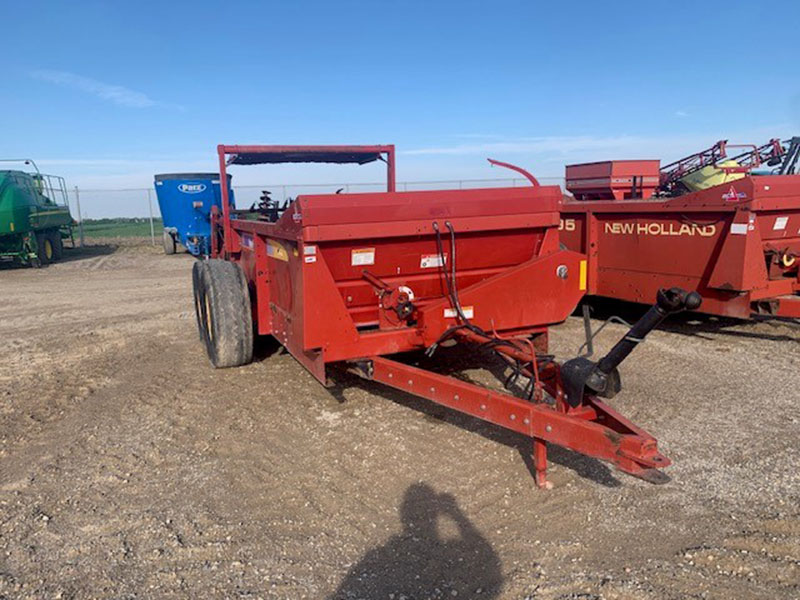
{"x":357,"y":278}
{"x":712,"y":224}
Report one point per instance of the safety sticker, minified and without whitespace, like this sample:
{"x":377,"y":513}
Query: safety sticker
{"x":451,"y":313}
{"x":732,"y":195}
{"x":739,"y":228}
{"x":362,"y":256}
{"x":277,"y":251}
{"x":309,"y":250}
{"x":780,"y":223}
{"x":247,"y":241}
{"x":431,"y":261}
{"x":310,"y":259}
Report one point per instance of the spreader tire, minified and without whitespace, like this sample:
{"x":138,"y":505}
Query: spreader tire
{"x":226,"y":317}
{"x":197,"y":283}
{"x":169,"y":243}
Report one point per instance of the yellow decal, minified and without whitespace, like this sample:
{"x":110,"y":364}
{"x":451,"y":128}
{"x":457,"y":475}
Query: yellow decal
{"x":669,"y":229}
{"x":276,"y":250}
{"x":582,"y":277}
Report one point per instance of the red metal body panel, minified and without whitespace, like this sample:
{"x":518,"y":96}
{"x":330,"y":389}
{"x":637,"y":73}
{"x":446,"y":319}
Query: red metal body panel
{"x":736,"y":244}
{"x":613,"y":179}
{"x":320,"y":302}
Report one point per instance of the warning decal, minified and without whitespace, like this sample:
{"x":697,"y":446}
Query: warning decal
{"x":780,"y":223}
{"x":362,"y":256}
{"x":739,"y":228}
{"x":450,"y":313}
{"x":431,"y":261}
{"x":733,"y":196}
{"x":277,"y":251}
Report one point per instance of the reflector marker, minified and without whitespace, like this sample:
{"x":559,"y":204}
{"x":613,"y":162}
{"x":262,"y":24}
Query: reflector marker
{"x":582,"y":276}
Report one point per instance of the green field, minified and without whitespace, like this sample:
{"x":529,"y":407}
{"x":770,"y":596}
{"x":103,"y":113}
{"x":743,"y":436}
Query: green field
{"x":132,"y":227}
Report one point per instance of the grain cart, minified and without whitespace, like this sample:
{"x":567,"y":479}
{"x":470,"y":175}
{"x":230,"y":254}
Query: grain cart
{"x":357,"y":278}
{"x":706,"y":223}
{"x":34,"y":216}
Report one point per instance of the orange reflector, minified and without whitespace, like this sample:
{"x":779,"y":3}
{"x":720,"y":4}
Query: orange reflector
{"x":582,"y":277}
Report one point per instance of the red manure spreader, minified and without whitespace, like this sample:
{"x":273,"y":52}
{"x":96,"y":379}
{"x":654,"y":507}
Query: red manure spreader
{"x":727,"y":228}
{"x":357,"y":278}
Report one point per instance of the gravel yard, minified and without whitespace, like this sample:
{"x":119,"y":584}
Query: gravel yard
{"x":129,"y":468}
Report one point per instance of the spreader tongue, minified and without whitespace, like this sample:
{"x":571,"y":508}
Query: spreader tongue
{"x":581,"y":375}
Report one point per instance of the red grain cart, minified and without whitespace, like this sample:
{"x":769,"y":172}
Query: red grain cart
{"x":737,"y":243}
{"x":356,"y":278}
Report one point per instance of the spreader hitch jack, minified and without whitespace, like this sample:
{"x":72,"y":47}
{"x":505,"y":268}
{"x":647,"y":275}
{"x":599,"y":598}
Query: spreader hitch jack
{"x":602,"y":377}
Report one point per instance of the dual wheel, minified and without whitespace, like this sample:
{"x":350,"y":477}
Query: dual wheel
{"x":49,"y":246}
{"x":223,"y":310}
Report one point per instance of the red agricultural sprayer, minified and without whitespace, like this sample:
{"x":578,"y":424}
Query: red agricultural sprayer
{"x":357,"y":278}
{"x":726,"y":227}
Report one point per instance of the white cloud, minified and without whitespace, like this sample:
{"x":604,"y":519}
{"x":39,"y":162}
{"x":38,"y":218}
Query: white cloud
{"x":561,"y":149}
{"x":560,"y":144}
{"x":681,"y":113}
{"x":105,"y":91}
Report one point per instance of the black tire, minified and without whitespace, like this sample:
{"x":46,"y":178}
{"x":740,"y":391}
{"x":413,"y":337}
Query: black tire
{"x":197,"y":282}
{"x":44,"y":248}
{"x":224,"y":312}
{"x":58,"y":244}
{"x":169,"y":243}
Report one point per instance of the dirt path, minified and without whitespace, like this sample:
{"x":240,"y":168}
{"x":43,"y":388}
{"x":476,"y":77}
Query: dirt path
{"x":130,"y":469}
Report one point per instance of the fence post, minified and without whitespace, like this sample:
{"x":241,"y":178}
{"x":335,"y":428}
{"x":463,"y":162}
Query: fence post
{"x":152,"y":228}
{"x":80,"y":217}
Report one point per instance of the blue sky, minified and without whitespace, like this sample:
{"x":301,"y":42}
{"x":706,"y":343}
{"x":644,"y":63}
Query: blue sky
{"x":107,"y":93}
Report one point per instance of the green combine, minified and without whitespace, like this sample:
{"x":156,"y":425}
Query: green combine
{"x":34,"y":216}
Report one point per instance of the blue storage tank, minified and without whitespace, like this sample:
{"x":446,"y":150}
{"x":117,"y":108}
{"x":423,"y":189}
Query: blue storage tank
{"x":185,"y":200}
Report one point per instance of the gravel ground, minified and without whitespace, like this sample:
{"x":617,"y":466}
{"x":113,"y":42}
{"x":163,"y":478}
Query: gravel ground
{"x":129,"y":468}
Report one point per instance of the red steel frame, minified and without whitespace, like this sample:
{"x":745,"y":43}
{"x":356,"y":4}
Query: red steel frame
{"x":737,"y":244}
{"x":513,"y":278}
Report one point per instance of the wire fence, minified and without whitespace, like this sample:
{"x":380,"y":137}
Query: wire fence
{"x":96,"y":203}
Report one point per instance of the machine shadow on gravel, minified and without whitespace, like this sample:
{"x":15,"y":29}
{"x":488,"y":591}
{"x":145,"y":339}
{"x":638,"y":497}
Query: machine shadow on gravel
{"x":439,"y":554}
{"x":93,"y":251}
{"x":265,"y":346}
{"x":71,"y":255}
{"x":453,"y":362}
